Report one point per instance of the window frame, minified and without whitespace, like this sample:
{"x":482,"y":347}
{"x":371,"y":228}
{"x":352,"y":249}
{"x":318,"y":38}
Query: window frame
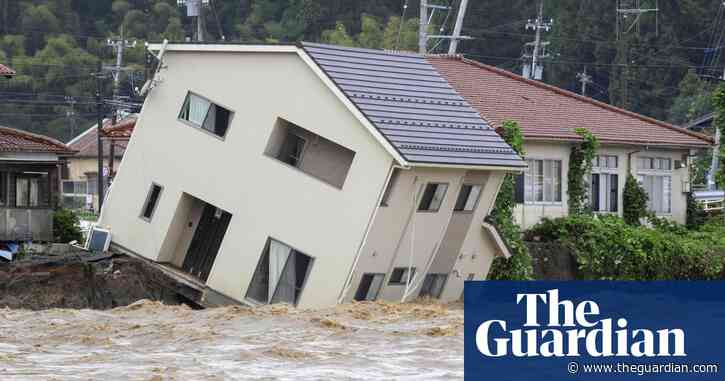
{"x":148,"y":198}
{"x":301,"y":157}
{"x":655,"y":172}
{"x":422,"y":193}
{"x":293,"y":251}
{"x":561,"y":182}
{"x":468,"y":197}
{"x":201,"y":127}
{"x":402,"y":281}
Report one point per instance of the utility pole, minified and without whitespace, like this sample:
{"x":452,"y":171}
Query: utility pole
{"x":195,"y":9}
{"x":71,"y":115}
{"x":119,"y":44}
{"x":425,"y":21}
{"x":711,"y":185}
{"x":535,"y":70}
{"x":585,"y":79}
{"x":99,"y":115}
{"x":457,"y":29}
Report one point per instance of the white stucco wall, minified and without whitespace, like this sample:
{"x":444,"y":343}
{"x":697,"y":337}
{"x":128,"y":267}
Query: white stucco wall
{"x":266,"y":198}
{"x":528,"y":214}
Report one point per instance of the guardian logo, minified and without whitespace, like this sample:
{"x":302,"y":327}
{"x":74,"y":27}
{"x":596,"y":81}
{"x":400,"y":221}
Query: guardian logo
{"x":571,"y":329}
{"x":593,"y":330}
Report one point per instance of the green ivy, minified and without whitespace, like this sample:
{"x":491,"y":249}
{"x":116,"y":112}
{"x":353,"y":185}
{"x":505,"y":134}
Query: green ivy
{"x":519,"y":266}
{"x":634,"y":199}
{"x":719,"y":102}
{"x":580,"y":164}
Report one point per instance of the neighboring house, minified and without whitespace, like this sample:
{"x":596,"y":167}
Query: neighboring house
{"x":701,"y":124}
{"x":80,"y":177}
{"x":29,"y":178}
{"x":309,"y":175}
{"x":6,"y":71}
{"x":655,"y":152}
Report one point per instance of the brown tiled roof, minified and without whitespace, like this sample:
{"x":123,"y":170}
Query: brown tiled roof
{"x":87,"y":142}
{"x":122,"y":130}
{"x":6,"y":71}
{"x":12,"y":140}
{"x":547,"y":112}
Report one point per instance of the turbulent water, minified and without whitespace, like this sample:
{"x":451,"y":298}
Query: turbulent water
{"x":151,"y":341}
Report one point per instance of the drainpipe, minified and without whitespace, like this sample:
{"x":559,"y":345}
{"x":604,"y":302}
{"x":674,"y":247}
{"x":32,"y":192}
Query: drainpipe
{"x":348,"y":280}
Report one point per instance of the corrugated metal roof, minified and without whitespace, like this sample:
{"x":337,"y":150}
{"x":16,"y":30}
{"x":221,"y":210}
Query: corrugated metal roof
{"x":413,"y":107}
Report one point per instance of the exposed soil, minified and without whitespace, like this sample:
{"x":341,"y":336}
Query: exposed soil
{"x":78,"y":279}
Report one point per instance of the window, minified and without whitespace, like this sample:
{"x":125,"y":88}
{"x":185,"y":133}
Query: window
{"x":280,"y":275}
{"x":292,"y":149}
{"x":655,"y":176}
{"x":401,"y":275}
{"x":659,"y":191}
{"x":468,"y":198}
{"x":370,"y":286}
{"x":432,"y":197}
{"x":433,"y":285}
{"x":542,"y":181}
{"x":74,"y":194}
{"x":605,"y":192}
{"x":605,"y":162}
{"x":205,"y":114}
{"x":151,"y":201}
{"x":3,"y":187}
{"x":310,"y":153}
{"x":75,"y":187}
{"x":31,"y":190}
{"x":389,"y":188}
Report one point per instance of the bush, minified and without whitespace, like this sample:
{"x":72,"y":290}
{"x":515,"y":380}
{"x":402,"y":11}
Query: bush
{"x":607,"y":248}
{"x":635,"y":200}
{"x":66,"y":226}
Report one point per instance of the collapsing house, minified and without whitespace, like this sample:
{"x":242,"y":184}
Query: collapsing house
{"x":309,"y":175}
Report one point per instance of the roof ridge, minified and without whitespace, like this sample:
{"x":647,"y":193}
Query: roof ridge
{"x":60,"y":146}
{"x":572,"y":95}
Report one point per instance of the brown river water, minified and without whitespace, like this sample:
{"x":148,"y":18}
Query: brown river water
{"x":149,"y":341}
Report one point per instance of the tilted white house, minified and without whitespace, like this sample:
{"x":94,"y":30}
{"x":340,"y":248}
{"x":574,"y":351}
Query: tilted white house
{"x":310,"y":175}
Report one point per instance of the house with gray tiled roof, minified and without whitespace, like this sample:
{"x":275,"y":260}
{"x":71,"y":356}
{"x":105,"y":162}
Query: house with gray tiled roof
{"x":29,"y":171}
{"x":656,"y":153}
{"x":308,"y":174}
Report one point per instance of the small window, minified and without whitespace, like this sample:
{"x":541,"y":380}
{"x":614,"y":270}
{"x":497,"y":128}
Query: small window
{"x":432,"y":197}
{"x":205,"y":114}
{"x":280,"y":275}
{"x":370,"y":285}
{"x":389,"y":187}
{"x":401,"y":275}
{"x":433,"y":286}
{"x":468,"y":198}
{"x":151,"y":202}
{"x":605,"y":162}
{"x":292,"y":149}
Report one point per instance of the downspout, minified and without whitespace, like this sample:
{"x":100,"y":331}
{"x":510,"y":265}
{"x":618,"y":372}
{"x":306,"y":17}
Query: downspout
{"x":374,"y":213}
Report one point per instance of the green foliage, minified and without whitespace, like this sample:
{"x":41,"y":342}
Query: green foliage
{"x":696,"y":216}
{"x":635,"y":200}
{"x":692,"y":101}
{"x":580,"y":165}
{"x":519,"y":266}
{"x":718,"y":100}
{"x":66,"y":226}
{"x":606,"y":248}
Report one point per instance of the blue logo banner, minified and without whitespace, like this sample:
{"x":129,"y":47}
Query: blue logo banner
{"x":594,"y":330}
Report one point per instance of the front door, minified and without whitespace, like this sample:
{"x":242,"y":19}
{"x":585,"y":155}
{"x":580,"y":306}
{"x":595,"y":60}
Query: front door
{"x":206,"y":242}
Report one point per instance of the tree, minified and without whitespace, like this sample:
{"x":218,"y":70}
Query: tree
{"x":692,"y":101}
{"x":338,"y":36}
{"x":634,"y":199}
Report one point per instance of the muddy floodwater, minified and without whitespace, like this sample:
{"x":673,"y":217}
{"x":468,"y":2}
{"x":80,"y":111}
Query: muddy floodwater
{"x":151,"y":341}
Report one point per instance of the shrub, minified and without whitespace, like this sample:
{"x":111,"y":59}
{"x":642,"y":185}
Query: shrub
{"x":609,"y":249}
{"x":66,"y":226}
{"x":580,"y":164}
{"x":635,"y":200}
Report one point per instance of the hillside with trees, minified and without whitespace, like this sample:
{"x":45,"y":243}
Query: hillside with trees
{"x":665,"y":70}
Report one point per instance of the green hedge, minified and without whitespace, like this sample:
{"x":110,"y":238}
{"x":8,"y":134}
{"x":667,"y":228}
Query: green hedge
{"x":605,"y":247}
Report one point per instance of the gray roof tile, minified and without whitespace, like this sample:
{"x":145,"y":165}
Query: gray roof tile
{"x":413,"y":107}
